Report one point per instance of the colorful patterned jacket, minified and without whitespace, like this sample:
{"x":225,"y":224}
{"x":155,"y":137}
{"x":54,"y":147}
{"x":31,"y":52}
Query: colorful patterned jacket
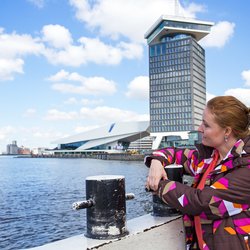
{"x":224,"y":203}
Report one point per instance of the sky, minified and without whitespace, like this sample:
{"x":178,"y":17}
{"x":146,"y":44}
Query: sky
{"x":68,"y":66}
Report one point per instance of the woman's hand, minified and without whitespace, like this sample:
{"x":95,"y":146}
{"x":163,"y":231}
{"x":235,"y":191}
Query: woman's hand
{"x":156,"y":173}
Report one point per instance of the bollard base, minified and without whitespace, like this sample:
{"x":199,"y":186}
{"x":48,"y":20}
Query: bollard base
{"x":106,"y":236}
{"x":161,"y":209}
{"x":166,"y":212}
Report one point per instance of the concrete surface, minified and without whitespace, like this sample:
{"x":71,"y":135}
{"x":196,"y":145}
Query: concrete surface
{"x":169,"y":236}
{"x":146,"y":232}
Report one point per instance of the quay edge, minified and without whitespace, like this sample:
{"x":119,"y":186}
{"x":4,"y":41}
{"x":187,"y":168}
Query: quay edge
{"x":146,"y":232}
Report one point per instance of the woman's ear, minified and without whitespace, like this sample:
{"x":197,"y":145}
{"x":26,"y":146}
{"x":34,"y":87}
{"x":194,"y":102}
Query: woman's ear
{"x":228,"y":131}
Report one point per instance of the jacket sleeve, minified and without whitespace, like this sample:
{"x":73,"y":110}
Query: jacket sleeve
{"x":188,"y":158}
{"x":228,"y":196}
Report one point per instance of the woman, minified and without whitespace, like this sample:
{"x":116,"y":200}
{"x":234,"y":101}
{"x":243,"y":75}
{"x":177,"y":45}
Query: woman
{"x":216,"y":208}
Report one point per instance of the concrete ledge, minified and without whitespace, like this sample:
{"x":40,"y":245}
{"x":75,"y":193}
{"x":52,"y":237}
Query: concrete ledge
{"x":169,"y":236}
{"x":145,"y":232}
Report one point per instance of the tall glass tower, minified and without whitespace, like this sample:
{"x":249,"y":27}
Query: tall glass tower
{"x":177,"y":74}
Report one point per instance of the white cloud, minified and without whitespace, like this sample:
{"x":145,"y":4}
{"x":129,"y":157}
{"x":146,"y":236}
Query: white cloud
{"x":240,"y":93}
{"x":60,"y":75}
{"x":84,"y":101}
{"x":71,"y":56}
{"x":246,"y":77}
{"x":89,"y":50}
{"x":86,"y":85}
{"x":57,"y":46}
{"x":100,"y":15}
{"x":55,"y":115}
{"x":31,"y":137}
{"x":57,"y":36}
{"x":219,"y":35}
{"x":37,"y":3}
{"x":92,"y":86}
{"x":29,"y":112}
{"x":131,"y":50}
{"x":44,"y":134}
{"x":100,"y":53}
{"x":98,"y":115}
{"x":209,"y":96}
{"x":8,"y":67}
{"x":71,"y":100}
{"x":13,"y":48}
{"x":88,"y":102}
{"x":61,"y":49}
{"x":6,"y":131}
{"x":104,"y":114}
{"x":138,"y":88}
{"x":14,"y":45}
{"x":191,"y":10}
{"x":34,"y":137}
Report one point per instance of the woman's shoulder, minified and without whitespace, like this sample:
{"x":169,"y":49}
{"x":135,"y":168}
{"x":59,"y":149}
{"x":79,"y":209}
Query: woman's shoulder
{"x":204,"y":152}
{"x":246,"y":145}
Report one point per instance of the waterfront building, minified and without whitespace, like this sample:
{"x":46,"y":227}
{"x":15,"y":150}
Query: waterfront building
{"x":178,"y":141}
{"x":41,"y":151}
{"x":176,"y":75}
{"x":24,"y":151}
{"x":12,"y":149}
{"x":141,"y":145}
{"x":111,"y":138}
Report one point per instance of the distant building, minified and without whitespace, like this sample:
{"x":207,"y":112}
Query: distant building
{"x":194,"y":137}
{"x":41,"y":151}
{"x":177,"y":75}
{"x":12,"y":149}
{"x":141,"y":145}
{"x":112,"y":138}
{"x":24,"y":151}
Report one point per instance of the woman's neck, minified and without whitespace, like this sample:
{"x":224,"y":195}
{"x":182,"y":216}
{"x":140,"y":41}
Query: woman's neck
{"x":225,"y":148}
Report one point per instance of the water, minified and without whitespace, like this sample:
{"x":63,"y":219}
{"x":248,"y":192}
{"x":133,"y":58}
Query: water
{"x":36,"y":196}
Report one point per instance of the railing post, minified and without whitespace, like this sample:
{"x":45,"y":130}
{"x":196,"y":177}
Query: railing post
{"x":175,"y":173}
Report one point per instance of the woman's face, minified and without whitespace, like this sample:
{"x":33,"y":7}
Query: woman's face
{"x":212,"y":134}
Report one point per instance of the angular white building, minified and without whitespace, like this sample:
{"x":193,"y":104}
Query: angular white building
{"x":113,"y":137}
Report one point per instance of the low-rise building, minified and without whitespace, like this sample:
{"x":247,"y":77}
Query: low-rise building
{"x":13,"y":149}
{"x":112,"y":138}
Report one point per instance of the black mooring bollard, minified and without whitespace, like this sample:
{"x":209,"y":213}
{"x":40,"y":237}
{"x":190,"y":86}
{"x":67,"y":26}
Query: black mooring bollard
{"x":106,"y":206}
{"x":175,"y":173}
